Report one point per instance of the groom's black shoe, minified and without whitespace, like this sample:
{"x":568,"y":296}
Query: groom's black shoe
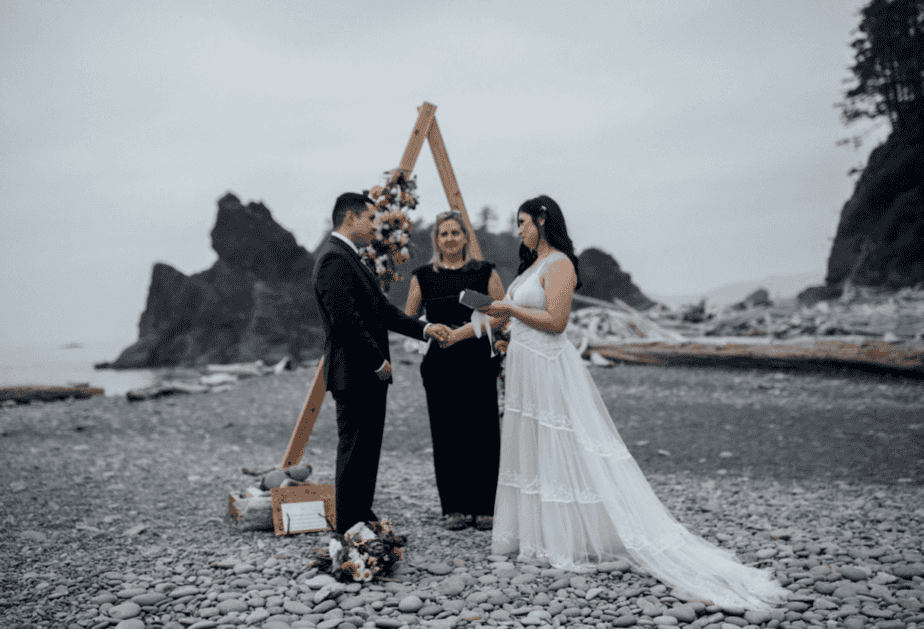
{"x":456,"y":522}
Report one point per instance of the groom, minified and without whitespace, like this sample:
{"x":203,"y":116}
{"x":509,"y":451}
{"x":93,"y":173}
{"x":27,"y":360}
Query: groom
{"x":357,"y":367}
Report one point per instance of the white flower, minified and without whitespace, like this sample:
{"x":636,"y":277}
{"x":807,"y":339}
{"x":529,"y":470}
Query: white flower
{"x":334,"y":548}
{"x":355,"y":528}
{"x":405,"y":251}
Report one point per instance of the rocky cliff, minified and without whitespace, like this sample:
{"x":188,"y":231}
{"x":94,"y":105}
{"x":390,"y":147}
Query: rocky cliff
{"x":602,"y":278}
{"x":255,"y":302}
{"x":879,"y":238}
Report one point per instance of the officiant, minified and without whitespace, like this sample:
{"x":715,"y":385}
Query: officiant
{"x":460,"y":380}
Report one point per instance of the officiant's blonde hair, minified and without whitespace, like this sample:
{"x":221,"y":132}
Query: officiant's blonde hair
{"x":451,"y":215}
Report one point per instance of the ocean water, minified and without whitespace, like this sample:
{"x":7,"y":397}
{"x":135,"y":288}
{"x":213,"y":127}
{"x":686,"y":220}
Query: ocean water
{"x":68,"y":365}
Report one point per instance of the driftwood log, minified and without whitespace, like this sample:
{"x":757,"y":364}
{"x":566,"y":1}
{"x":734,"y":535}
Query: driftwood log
{"x":904,"y":355}
{"x":253,"y":513}
{"x":46,"y":394}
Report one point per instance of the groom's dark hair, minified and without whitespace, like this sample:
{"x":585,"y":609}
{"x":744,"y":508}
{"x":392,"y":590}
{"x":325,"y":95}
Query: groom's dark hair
{"x":348,"y":202}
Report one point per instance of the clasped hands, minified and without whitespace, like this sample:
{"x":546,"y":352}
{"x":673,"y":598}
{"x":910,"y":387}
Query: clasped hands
{"x":437,"y":331}
{"x":497,"y":309}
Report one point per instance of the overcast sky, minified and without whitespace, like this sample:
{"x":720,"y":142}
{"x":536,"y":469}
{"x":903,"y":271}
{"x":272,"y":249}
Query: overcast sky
{"x":692,"y":140}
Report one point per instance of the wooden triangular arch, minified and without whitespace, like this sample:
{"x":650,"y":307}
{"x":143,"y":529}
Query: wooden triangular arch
{"x":425,"y":129}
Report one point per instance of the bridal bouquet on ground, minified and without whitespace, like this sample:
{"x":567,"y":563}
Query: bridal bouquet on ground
{"x":362,"y":553}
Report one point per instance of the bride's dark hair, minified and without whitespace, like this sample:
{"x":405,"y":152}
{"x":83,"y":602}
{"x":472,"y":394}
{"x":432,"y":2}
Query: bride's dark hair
{"x":554,"y":231}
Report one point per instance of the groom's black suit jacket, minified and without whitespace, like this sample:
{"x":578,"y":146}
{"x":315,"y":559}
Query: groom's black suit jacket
{"x":356,"y":317}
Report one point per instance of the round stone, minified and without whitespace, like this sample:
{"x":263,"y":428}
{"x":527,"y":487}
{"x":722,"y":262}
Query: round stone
{"x":410,"y":604}
{"x":125,"y":610}
{"x":257,"y":616}
{"x":439,"y":568}
{"x":821,"y":603}
{"x":852,"y":572}
{"x":614,"y":566}
{"x":756,"y":617}
{"x":470,"y":615}
{"x":908,"y":571}
{"x":500,"y":615}
{"x":320,"y":580}
{"x":536,"y":617}
{"x":295,"y":607}
{"x":34,"y":536}
{"x":186,"y":590}
{"x":131,"y":623}
{"x":522,"y":579}
{"x":559,"y":584}
{"x":682,"y":612}
{"x":105,"y":597}
{"x":668,"y":621}
{"x":430,"y":610}
{"x":593,"y":593}
{"x":149,"y":598}
{"x":452,"y":586}
{"x":844,"y":591}
{"x":854,"y":622}
{"x":232,"y":605}
{"x":627,"y":620}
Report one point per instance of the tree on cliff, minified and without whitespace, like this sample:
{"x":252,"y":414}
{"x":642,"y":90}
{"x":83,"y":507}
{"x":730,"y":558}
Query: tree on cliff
{"x":888,"y":67}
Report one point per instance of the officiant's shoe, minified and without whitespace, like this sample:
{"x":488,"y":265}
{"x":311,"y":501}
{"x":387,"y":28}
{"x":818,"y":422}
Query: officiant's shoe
{"x":484,"y":522}
{"x":456,"y":522}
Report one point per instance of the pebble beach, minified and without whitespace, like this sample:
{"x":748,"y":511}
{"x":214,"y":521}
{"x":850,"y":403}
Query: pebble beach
{"x":116,"y":514}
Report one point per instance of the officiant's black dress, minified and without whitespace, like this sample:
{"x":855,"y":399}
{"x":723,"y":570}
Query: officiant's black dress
{"x":461,"y":386}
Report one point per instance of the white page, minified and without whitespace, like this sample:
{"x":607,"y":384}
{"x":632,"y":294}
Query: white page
{"x":302,"y":516}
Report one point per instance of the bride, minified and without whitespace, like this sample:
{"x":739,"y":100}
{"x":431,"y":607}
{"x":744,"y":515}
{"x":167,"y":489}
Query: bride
{"x":569,"y":491}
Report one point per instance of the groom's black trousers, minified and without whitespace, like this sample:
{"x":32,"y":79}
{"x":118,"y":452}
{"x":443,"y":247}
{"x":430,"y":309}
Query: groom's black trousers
{"x":360,"y":426}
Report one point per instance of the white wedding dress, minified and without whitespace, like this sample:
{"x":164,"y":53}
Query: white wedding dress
{"x":570,"y":492}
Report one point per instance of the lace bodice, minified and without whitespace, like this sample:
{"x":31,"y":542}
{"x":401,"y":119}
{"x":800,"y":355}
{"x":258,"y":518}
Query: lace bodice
{"x":527,"y":291}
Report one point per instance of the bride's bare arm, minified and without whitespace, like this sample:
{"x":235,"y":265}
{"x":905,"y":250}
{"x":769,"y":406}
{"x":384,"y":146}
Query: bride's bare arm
{"x":468,"y":330}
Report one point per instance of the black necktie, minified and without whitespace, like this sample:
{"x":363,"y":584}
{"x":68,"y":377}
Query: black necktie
{"x":365,"y":266}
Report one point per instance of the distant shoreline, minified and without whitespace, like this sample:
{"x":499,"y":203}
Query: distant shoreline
{"x":67,"y":364}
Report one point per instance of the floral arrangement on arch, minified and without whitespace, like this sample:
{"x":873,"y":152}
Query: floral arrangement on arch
{"x":390,"y":249}
{"x":364,"y":552}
